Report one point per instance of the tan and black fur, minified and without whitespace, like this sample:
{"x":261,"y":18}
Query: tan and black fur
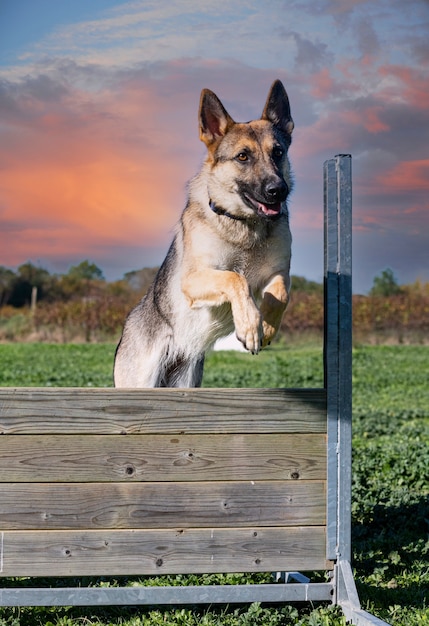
{"x":228,"y":265}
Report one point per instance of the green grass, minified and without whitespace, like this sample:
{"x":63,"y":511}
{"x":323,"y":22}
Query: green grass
{"x":56,"y":365}
{"x":83,"y":365}
{"x":390,"y":511}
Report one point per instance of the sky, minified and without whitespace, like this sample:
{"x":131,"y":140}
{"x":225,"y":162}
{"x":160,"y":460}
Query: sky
{"x":99,"y":127}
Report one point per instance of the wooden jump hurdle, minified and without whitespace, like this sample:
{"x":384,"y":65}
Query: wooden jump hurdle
{"x":131,"y":482}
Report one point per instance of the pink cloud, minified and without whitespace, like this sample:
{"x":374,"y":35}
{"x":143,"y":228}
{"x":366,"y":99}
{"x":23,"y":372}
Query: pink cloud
{"x":406,"y":84}
{"x":345,"y":6}
{"x":406,"y":176}
{"x":322,"y":84}
{"x":368,"y":118}
{"x":81,"y":169}
{"x":367,"y":223}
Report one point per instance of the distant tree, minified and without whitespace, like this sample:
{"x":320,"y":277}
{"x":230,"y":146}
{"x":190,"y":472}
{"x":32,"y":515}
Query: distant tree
{"x":385,"y":284}
{"x":141,"y":280}
{"x":29,"y":276}
{"x":32,"y":274}
{"x":299,"y":283}
{"x":85,"y":271}
{"x":7,"y":279}
{"x":81,"y":281}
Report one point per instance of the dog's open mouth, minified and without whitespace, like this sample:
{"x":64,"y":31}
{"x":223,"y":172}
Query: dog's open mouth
{"x":265,"y":210}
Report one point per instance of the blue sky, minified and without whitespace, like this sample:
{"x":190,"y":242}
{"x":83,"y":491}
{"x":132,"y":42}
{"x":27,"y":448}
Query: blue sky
{"x":98,"y":130}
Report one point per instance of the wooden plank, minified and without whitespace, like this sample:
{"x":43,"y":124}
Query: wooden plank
{"x":161,"y":411}
{"x":93,"y":458}
{"x":41,"y":506}
{"x":62,"y":553}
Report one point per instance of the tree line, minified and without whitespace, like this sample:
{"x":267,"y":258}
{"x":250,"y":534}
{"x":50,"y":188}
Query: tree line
{"x":16,"y":288}
{"x":84,"y":280}
{"x":81,"y":305}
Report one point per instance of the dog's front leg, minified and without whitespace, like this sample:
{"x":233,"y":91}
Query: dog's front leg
{"x":211,"y":287}
{"x":274,"y":303}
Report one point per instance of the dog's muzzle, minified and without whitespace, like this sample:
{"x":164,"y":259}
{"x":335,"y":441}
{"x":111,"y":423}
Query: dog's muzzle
{"x":267,"y":201}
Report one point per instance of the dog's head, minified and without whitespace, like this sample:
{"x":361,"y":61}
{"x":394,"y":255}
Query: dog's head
{"x":248,"y":163}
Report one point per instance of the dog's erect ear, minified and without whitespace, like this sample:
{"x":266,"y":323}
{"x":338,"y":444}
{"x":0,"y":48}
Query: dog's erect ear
{"x":214,"y":119}
{"x":277,"y":108}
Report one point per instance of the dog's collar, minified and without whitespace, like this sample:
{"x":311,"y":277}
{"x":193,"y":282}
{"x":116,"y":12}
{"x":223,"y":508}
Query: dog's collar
{"x":219,"y":211}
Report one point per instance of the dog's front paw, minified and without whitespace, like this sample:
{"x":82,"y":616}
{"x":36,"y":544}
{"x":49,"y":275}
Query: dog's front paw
{"x":269,"y":332}
{"x":251,"y":333}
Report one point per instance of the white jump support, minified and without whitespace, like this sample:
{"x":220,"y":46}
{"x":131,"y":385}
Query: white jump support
{"x":146,"y":482}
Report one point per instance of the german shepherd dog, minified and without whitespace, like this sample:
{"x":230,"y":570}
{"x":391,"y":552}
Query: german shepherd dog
{"x":228,"y":265}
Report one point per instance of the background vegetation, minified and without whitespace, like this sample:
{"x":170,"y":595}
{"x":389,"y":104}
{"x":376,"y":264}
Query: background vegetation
{"x":390,"y":512}
{"x":81,"y":306}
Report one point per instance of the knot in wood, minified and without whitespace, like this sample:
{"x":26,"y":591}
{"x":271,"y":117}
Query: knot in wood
{"x":130,"y":470}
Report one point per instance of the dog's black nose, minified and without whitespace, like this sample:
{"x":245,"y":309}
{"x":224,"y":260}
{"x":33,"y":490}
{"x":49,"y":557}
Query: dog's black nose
{"x":276,"y":191}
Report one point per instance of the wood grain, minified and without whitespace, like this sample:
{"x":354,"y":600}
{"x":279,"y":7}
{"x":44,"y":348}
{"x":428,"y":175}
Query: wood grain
{"x":93,"y":458}
{"x":161,"y":411}
{"x":62,"y":553}
{"x":41,"y":506}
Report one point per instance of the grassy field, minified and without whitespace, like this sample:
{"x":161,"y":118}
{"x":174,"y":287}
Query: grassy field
{"x":390,"y":478}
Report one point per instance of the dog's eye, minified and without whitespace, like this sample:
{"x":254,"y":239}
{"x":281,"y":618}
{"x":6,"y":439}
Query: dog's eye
{"x":278,"y":152}
{"x":242,"y":156}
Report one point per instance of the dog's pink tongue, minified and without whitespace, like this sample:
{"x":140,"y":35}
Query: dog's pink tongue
{"x":269,"y":209}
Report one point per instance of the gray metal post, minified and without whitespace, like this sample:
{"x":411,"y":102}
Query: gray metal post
{"x":331,"y":349}
{"x":338,"y":381}
{"x":338,"y":351}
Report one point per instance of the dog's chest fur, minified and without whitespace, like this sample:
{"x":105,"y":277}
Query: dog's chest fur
{"x":219,"y":245}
